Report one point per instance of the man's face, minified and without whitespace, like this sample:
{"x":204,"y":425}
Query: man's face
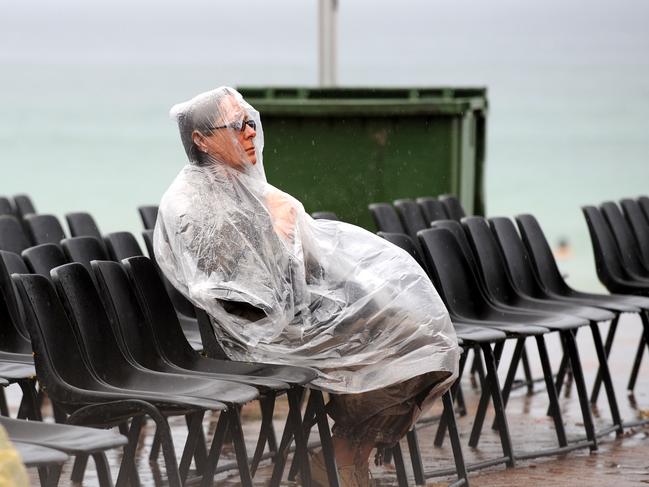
{"x":232,"y":139}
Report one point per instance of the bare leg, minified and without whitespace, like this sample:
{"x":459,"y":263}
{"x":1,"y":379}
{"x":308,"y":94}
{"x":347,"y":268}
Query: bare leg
{"x":349,"y":454}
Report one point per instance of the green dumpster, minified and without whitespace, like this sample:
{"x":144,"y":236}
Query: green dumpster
{"x":339,"y":149}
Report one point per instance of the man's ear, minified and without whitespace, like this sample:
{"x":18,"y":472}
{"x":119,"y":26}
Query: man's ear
{"x":199,"y":140}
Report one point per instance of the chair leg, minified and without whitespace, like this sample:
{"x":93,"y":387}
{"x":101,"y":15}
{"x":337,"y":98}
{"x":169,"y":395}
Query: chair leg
{"x":645,"y":333}
{"x":578,"y":376}
{"x":194,"y":424}
{"x":325,"y":438}
{"x":529,"y":380}
{"x":554,"y":408}
{"x":240,"y":447}
{"x":53,"y":476}
{"x":307,"y":423}
{"x":79,"y":468}
{"x":519,"y":352}
{"x":279,"y":460}
{"x":103,"y":469}
{"x":494,"y":385}
{"x":607,"y":348}
{"x":636,"y":366}
{"x":402,"y":476}
{"x":155,"y":448}
{"x":127,"y":470}
{"x":31,"y":407}
{"x":441,"y":427}
{"x":267,"y":405}
{"x":415,"y":456}
{"x":295,"y":397}
{"x":4,"y":410}
{"x":606,"y":377}
{"x":453,"y":433}
{"x":222,"y":427}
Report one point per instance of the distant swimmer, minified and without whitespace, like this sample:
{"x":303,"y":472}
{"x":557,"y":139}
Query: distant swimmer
{"x":563,"y":250}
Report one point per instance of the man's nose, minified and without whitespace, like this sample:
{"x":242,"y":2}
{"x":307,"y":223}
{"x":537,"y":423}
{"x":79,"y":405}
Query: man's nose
{"x":249,"y":132}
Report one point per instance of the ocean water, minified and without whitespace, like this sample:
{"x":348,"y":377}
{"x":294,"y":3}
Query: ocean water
{"x":85,"y":89}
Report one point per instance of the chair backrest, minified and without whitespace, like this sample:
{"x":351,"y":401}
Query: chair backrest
{"x":82,"y":224}
{"x":453,"y":207}
{"x":86,"y":313}
{"x":491,"y":265}
{"x":149,"y":215}
{"x":432,"y":208}
{"x":157,"y":308}
{"x":516,"y":257}
{"x":622,"y":233}
{"x":324,"y":215}
{"x":5,"y":206}
{"x":124,"y":312}
{"x":406,"y":243}
{"x":411,"y":217}
{"x":44,"y":229}
{"x":643,"y":201}
{"x":23,"y":205}
{"x":60,"y":362}
{"x":41,"y":259}
{"x":451,"y":273}
{"x":540,"y":253}
{"x":83,"y":250}
{"x":121,"y":245}
{"x":386,"y":218}
{"x":12,"y":236}
{"x":608,"y":260}
{"x":639,"y":226}
{"x":13,"y":334}
{"x":180,"y":302}
{"x":455,"y":227}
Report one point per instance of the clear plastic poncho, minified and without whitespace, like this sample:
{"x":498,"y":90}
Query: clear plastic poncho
{"x":279,"y":286}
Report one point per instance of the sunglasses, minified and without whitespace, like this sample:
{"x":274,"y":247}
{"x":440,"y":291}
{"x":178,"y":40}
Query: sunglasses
{"x":239,"y":125}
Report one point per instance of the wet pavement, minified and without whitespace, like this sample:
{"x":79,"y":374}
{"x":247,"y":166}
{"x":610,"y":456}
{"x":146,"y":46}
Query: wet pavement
{"x":618,"y":461}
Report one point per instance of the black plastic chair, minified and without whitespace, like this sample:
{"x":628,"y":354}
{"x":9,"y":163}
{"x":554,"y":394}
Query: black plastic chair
{"x":12,"y":235}
{"x":324,"y":215}
{"x":639,"y":226}
{"x":84,"y":250}
{"x":5,"y":206}
{"x":467,"y":302}
{"x":631,"y":257}
{"x":503,"y":292}
{"x":643,"y":201}
{"x":121,"y":245}
{"x":149,"y":215}
{"x":90,"y":321}
{"x":453,"y":207}
{"x":73,"y":440}
{"x":184,"y":308}
{"x":82,"y":224}
{"x":23,"y":206}
{"x":386,"y":218}
{"x":41,"y":259}
{"x":44,"y":229}
{"x":612,"y":272}
{"x":556,"y":287}
{"x":432,"y":208}
{"x":63,"y":370}
{"x":412,"y":218}
{"x":160,"y":316}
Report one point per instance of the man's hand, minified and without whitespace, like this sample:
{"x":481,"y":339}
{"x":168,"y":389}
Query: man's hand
{"x":283,"y":214}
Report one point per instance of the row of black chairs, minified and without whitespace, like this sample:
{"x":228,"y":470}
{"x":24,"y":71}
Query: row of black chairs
{"x":492,"y":276}
{"x":171,"y":370}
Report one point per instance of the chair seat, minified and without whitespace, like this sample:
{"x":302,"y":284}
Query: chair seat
{"x":39,"y":456}
{"x":477,"y":334}
{"x":67,"y":438}
{"x":16,"y":370}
